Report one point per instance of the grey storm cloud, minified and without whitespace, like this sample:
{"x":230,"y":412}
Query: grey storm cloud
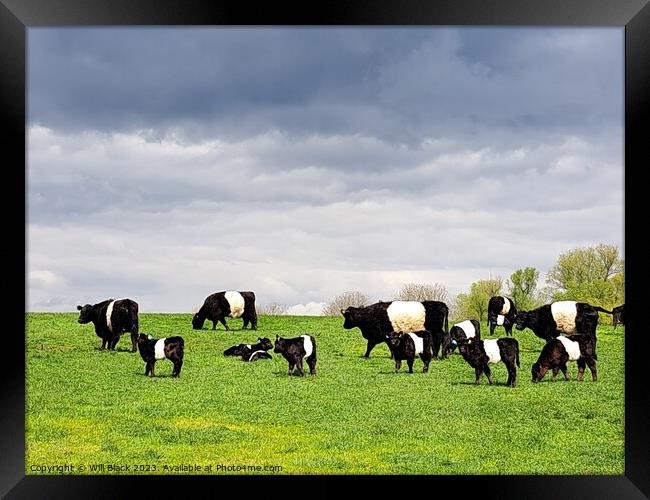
{"x":399,"y":85}
{"x":168,"y":163}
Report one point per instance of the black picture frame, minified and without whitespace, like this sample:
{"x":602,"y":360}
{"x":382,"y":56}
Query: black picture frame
{"x":18,"y":15}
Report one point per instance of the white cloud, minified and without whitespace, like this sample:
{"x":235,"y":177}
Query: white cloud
{"x":309,"y":309}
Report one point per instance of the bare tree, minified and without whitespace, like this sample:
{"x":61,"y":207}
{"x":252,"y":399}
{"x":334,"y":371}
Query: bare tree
{"x":422,"y":291}
{"x":343,"y":301}
{"x":272,"y":309}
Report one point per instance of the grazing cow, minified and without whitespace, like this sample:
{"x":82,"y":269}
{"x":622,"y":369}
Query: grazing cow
{"x":408,"y":345}
{"x":221,"y":305}
{"x":295,"y":350}
{"x":618,"y":315}
{"x":376,"y":320}
{"x":501,"y":312}
{"x":468,"y":329}
{"x":480,"y":353}
{"x":555,"y":354}
{"x":566,"y":316}
{"x":251,"y":352}
{"x":112,"y":318}
{"x":152,"y":350}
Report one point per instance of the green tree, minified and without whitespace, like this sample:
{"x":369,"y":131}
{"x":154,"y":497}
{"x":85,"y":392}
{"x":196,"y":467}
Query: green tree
{"x":522,"y":287}
{"x":591,"y":274}
{"x":474,"y":303}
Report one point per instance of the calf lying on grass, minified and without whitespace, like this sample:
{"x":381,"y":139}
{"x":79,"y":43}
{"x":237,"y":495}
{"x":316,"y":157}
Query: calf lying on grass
{"x":480,"y":353}
{"x":151,"y":350}
{"x":295,"y":350}
{"x":558,"y":351}
{"x":408,"y":345}
{"x":251,"y":352}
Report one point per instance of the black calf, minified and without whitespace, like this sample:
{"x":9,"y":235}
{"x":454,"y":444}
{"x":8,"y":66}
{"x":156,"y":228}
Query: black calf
{"x":556,"y":352}
{"x":246,"y":349}
{"x":170,"y":348}
{"x":295,"y":350}
{"x":480,"y":353}
{"x":405,"y":346}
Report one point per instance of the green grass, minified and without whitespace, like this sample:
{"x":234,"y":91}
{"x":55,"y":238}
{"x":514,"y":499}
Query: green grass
{"x":356,"y":416}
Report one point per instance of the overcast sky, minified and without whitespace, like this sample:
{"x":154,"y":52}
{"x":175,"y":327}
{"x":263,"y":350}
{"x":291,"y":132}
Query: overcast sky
{"x":168,"y":164}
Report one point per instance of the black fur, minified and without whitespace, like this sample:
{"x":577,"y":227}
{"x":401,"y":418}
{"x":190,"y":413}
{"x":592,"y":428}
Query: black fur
{"x":618,"y":315}
{"x":174,"y":350}
{"x":541,"y":321}
{"x":402,"y":347}
{"x":474,"y":353}
{"x":293,"y":351}
{"x":216,"y":308}
{"x":554,"y":357}
{"x":495,"y":306}
{"x":457,"y":333}
{"x":255,"y":355}
{"x":374,"y":323}
{"x":123,"y":319}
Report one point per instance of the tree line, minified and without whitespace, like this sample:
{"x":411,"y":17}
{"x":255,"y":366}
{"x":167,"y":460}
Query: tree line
{"x":594,"y":274}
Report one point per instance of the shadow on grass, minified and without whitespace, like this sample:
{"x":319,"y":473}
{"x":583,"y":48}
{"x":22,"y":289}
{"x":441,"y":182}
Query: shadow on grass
{"x":485,"y":383}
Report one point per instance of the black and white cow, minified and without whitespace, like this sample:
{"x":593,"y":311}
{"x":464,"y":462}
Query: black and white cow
{"x":468,"y":329}
{"x":558,"y":351}
{"x":618,"y":315}
{"x":479,"y":354}
{"x":251,"y":352}
{"x":112,"y":318}
{"x":405,"y":346}
{"x":151,"y":350}
{"x":501,"y":312}
{"x":221,"y":305}
{"x":295,"y":350}
{"x":565,"y":316}
{"x":377,"y":320}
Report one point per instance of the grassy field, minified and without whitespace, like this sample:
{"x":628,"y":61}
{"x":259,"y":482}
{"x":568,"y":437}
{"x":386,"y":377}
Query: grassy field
{"x":356,"y":416}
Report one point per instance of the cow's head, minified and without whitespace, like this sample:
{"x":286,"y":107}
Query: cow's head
{"x":197,"y":321}
{"x":449,"y":343}
{"x":522,"y":320}
{"x":86,"y":313}
{"x":393,"y":339}
{"x":537,"y":372}
{"x":280,"y":344}
{"x":350,"y":317}
{"x":143,"y":338}
{"x":265,"y":343}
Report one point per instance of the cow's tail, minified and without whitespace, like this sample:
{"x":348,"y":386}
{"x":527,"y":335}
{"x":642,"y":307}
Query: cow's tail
{"x":517,"y":358}
{"x":598,"y":308}
{"x":447,"y":322}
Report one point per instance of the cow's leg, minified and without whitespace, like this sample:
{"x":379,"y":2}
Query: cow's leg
{"x":426,"y":361}
{"x":223,"y":322}
{"x":134,"y":342}
{"x":409,"y":362}
{"x":478,"y":372}
{"x":556,"y":370}
{"x":492,"y":327}
{"x":291,"y":365}
{"x":512,"y":374}
{"x":301,"y":370}
{"x":245,"y":323}
{"x":371,"y":346}
{"x":591,"y":363}
{"x":177,"y":368}
{"x":398,"y":365}
{"x":113,"y":342}
{"x":437,"y":341}
{"x":564,"y":371}
{"x":581,"y":369}
{"x":542,"y":372}
{"x":254,"y":321}
{"x":153,"y":367}
{"x":488,"y":373}
{"x":104,"y":342}
{"x":311,"y":362}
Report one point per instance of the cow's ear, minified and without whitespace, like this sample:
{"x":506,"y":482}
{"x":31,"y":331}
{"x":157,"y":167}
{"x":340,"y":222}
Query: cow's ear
{"x":78,"y":308}
{"x":277,"y":336}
